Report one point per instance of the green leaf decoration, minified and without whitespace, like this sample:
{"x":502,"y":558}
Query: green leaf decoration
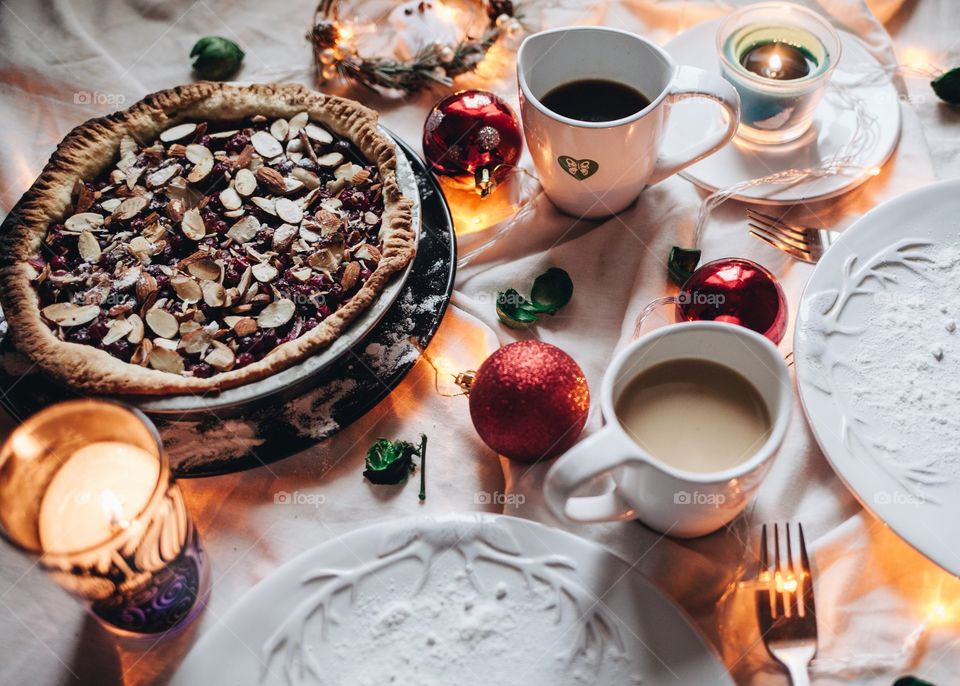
{"x":551,"y":290}
{"x":216,"y":58}
{"x":389,"y":462}
{"x":682,"y":263}
{"x":911,"y":681}
{"x":947,"y":86}
{"x":513,"y":310}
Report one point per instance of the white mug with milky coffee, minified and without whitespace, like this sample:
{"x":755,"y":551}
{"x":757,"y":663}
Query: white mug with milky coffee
{"x":697,"y":481}
{"x":598,"y":168}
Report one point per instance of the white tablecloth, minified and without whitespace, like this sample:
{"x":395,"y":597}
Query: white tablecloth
{"x":884,"y":609}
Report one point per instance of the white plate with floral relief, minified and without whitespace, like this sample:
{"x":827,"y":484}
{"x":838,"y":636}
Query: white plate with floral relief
{"x":458,"y":599}
{"x":877,"y":351}
{"x":835,"y":123}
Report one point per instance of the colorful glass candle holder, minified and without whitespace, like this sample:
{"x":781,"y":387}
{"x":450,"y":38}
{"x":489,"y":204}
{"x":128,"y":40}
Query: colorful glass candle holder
{"x":86,"y":489}
{"x":779,"y":56}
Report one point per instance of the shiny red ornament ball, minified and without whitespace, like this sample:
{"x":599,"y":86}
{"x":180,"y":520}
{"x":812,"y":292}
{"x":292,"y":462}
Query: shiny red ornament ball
{"x":529,"y":401}
{"x":472,"y":136}
{"x":736,"y":291}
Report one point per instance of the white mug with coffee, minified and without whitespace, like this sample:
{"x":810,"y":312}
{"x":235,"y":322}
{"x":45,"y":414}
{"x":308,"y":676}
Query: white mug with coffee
{"x":594,"y":102}
{"x":694,"y":414}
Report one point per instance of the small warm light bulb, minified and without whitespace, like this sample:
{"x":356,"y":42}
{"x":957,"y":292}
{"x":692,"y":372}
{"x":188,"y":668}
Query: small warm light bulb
{"x":113,"y":509}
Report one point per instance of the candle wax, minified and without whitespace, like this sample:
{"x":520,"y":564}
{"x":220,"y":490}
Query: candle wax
{"x":777,"y":60}
{"x":99,"y":489}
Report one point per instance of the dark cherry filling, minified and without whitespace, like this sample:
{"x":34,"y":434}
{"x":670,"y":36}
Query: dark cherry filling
{"x":67,"y":274}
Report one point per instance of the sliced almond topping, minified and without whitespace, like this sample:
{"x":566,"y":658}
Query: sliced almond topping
{"x":291,"y":185}
{"x":130,"y":208}
{"x":350,"y":275}
{"x":245,"y":279}
{"x":266,"y":145}
{"x":195,"y":342}
{"x":198,"y":153}
{"x":295,"y":147}
{"x":306,"y":177}
{"x":283,"y":236}
{"x":318,"y":134}
{"x":214,"y":294}
{"x":142,"y":353}
{"x":289,"y":211}
{"x":230,"y":199}
{"x":116,"y":330}
{"x":186,"y":289}
{"x":327,"y":259}
{"x":370,"y":218}
{"x":271,"y":179}
{"x":225,"y":134}
{"x":161,"y":176}
{"x":297,"y":122}
{"x":347,"y":171}
{"x":277,"y":313}
{"x":220,"y":357}
{"x":302,"y":274}
{"x":244,"y":230}
{"x":88,"y":247}
{"x":245,"y":182}
{"x":177,"y":150}
{"x":367,"y":252}
{"x":331,"y":159}
{"x":162,"y":323}
{"x":192,"y":225}
{"x":111,"y":204}
{"x":179,"y":132}
{"x":279,"y":129}
{"x":188,"y":325}
{"x":146,"y":285}
{"x":136,"y":328}
{"x":205,"y":268}
{"x":265,"y":204}
{"x":84,"y":221}
{"x":244,"y":326}
{"x":264,"y":272}
{"x":200,"y":170}
{"x":165,"y":360}
{"x":70,"y":314}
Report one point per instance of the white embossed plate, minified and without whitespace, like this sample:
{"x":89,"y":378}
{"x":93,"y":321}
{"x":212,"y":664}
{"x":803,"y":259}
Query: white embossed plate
{"x":877,"y":353}
{"x":458,"y":599}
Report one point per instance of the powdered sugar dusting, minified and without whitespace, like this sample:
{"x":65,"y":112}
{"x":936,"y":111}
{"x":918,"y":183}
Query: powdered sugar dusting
{"x":906,"y":381}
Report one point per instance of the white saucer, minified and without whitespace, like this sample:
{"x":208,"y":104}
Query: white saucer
{"x":834,"y":124}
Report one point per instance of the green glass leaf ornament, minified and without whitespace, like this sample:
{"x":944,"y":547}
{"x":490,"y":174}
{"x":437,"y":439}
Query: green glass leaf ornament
{"x":216,"y":58}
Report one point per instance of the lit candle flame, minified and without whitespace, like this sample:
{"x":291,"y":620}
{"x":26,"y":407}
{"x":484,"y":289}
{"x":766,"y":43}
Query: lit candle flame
{"x":776,"y":65}
{"x":113,"y":509}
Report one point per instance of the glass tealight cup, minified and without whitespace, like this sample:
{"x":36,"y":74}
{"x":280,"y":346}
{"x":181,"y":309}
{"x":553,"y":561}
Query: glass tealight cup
{"x":777,"y":110}
{"x":86,"y":490}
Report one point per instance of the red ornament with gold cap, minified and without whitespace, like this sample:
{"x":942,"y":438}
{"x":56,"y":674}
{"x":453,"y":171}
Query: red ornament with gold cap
{"x":472,"y":139}
{"x":529,"y":401}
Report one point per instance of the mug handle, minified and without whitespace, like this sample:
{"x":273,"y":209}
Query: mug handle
{"x":691,"y":82}
{"x":598,"y":454}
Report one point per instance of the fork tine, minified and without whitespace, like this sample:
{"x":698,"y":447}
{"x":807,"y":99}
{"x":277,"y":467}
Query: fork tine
{"x":808,"y":603}
{"x":778,"y":610}
{"x":794,"y":595}
{"x":783,"y":247}
{"x":798,"y":243}
{"x":775,"y":223}
{"x":765,"y":601}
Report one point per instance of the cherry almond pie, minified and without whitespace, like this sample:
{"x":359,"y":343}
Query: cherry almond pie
{"x":209,"y":236}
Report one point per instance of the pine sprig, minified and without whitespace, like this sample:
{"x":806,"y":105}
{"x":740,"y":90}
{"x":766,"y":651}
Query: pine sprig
{"x":424,"y":70}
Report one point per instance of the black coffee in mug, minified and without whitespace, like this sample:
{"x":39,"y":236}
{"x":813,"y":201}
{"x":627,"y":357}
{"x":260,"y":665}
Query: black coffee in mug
{"x":595,"y":100}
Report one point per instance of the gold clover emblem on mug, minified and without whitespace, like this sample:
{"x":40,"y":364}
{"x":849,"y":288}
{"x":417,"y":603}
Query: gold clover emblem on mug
{"x":578,"y":169}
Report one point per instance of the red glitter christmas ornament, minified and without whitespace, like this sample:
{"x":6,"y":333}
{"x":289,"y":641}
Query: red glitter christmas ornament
{"x":529,"y":401}
{"x":473,"y":138}
{"x":736,"y":291}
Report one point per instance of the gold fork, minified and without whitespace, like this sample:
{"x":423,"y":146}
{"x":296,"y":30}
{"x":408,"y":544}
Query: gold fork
{"x":801,"y":243}
{"x":785,"y":607}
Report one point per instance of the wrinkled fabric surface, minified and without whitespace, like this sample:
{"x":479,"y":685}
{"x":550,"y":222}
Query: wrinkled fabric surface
{"x":62,"y":62}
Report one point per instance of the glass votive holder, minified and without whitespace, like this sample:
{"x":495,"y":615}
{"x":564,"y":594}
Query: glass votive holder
{"x":779,"y":56}
{"x":86,"y":489}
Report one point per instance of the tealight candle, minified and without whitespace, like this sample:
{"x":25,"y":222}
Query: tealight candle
{"x":779,"y":56}
{"x":86,"y":487}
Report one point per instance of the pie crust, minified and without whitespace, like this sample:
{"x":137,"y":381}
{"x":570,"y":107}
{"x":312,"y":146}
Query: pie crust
{"x":92,"y":148}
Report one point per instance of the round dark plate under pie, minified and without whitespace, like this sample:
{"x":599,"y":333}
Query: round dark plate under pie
{"x":205,"y":439}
